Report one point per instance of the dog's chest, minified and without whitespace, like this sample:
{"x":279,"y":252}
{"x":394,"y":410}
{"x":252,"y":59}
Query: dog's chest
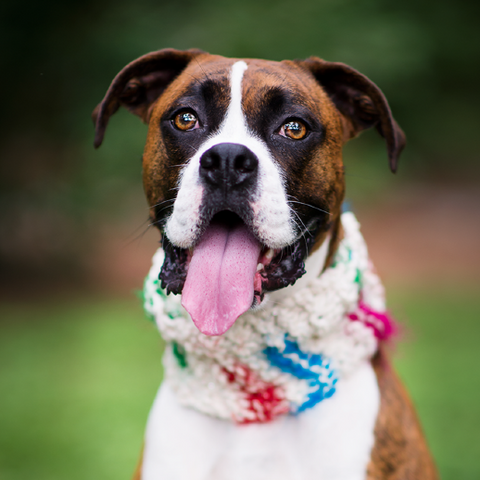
{"x":330,"y":442}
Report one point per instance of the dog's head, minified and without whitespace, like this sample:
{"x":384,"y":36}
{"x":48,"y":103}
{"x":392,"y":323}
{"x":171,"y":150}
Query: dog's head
{"x":243,"y":167}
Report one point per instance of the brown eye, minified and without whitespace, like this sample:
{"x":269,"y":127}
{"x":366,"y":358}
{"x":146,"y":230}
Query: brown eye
{"x":294,"y":129}
{"x":185,"y":121}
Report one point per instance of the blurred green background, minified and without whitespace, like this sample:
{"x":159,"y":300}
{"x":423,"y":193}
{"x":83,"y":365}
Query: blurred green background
{"x":78,"y":363}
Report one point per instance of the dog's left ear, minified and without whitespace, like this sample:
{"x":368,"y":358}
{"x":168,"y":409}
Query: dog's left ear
{"x":360,"y":102}
{"x":139,"y":84}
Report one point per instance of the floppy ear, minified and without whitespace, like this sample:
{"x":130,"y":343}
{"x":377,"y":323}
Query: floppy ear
{"x":360,"y":102}
{"x":139,"y":84}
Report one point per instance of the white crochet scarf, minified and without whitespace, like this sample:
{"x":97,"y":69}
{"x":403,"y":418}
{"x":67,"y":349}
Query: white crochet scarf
{"x":284,"y":357}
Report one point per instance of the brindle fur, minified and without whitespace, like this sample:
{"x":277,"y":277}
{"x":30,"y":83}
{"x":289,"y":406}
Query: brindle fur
{"x":400,"y":451}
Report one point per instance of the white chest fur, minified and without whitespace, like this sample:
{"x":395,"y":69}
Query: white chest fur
{"x":329,"y":442}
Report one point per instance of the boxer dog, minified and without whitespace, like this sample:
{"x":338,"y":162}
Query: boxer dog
{"x":263,"y":292}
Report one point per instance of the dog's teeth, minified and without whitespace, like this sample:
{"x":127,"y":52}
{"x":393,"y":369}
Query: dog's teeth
{"x":269,"y":253}
{"x":260,"y":267}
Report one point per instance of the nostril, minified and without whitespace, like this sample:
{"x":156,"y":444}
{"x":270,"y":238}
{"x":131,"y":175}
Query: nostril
{"x":239,"y":163}
{"x":210,"y":162}
{"x":245,"y":163}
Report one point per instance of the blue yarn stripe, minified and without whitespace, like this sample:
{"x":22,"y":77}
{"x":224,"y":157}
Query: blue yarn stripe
{"x":313,"y":368}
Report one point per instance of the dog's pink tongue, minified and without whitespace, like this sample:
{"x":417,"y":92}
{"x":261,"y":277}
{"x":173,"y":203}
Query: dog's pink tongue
{"x":219,"y":284}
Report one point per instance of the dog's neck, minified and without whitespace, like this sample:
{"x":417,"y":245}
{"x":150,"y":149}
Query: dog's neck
{"x":286,"y":356}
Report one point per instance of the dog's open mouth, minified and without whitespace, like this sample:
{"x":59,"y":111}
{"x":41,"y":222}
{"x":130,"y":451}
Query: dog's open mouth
{"x":228,"y":272}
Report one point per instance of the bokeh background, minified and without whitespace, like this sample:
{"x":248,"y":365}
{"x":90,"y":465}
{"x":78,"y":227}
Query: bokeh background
{"x":79,"y":364}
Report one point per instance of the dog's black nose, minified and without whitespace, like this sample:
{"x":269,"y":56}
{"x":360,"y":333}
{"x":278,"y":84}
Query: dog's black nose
{"x":228,"y":165}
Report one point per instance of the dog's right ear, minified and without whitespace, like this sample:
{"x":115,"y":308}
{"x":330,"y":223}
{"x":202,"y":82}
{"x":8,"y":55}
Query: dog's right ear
{"x":139,"y":84}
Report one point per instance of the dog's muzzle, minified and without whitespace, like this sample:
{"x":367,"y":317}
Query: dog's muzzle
{"x":228,"y":269}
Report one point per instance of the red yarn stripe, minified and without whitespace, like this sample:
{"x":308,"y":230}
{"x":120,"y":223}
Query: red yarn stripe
{"x":265,"y":400}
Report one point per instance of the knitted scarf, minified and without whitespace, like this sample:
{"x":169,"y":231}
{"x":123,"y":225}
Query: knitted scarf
{"x":284,"y":357}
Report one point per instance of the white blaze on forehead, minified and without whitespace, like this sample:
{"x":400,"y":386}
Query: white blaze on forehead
{"x":235,"y":116}
{"x":272,"y":218}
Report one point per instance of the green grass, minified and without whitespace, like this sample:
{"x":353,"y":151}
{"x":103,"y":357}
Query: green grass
{"x":77,"y":380}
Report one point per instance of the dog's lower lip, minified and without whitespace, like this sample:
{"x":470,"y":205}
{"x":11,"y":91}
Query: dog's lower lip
{"x":275,"y":267}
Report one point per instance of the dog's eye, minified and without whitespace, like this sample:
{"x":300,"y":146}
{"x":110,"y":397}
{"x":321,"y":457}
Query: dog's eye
{"x":185,"y":121}
{"x":294,"y":129}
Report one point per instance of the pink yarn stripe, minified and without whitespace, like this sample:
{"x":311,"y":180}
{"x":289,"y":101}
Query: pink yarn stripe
{"x":382,"y":324}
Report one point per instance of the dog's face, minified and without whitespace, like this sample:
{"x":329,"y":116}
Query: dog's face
{"x":243,"y":167}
